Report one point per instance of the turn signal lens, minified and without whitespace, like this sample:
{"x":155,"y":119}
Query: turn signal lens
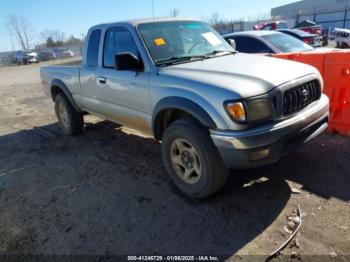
{"x":237,"y":111}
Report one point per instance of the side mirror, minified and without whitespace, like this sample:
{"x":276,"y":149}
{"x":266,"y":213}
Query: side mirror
{"x":232,"y":43}
{"x":127,"y":62}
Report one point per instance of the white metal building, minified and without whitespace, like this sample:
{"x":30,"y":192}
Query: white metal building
{"x":329,"y":13}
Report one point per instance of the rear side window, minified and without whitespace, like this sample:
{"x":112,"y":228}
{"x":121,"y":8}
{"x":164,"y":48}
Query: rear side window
{"x":291,"y":34}
{"x":118,"y":40}
{"x":93,"y":47}
{"x":267,"y":28}
{"x":246,"y":44}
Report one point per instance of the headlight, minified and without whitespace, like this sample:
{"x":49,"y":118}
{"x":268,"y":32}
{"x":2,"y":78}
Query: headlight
{"x":258,"y":110}
{"x":236,"y":111}
{"x":249,"y":111}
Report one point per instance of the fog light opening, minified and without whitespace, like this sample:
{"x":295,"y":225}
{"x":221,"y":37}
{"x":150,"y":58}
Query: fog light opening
{"x":258,"y":155}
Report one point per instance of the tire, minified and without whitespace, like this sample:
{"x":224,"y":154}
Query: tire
{"x":70,"y":120}
{"x":345,"y":45}
{"x":213,"y":172}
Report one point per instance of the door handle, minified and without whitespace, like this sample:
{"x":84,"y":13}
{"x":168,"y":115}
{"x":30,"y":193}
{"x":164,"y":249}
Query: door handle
{"x":102,"y":80}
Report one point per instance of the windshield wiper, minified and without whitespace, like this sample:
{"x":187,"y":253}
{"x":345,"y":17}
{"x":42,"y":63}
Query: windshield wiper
{"x":224,"y":52}
{"x":179,"y":59}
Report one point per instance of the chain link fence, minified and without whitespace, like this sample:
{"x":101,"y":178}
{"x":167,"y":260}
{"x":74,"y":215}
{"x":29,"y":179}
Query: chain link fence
{"x":328,"y":17}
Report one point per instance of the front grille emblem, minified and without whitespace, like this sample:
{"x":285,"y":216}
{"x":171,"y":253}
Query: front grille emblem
{"x":306,"y":95}
{"x":298,"y":97}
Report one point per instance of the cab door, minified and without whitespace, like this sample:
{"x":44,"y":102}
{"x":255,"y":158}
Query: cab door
{"x":123,"y":94}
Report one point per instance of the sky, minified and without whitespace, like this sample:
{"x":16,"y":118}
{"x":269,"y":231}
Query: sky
{"x":76,"y":16}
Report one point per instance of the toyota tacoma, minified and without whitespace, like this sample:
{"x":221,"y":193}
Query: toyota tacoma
{"x":212,"y":108}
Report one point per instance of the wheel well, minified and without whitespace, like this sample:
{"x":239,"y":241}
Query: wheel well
{"x":55,"y":90}
{"x":165,"y":118}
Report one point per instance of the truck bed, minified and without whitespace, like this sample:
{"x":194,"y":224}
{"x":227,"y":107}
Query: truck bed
{"x":70,"y":63}
{"x":68,"y":73}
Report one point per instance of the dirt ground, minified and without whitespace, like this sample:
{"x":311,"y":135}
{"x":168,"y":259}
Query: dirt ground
{"x":106,"y":192}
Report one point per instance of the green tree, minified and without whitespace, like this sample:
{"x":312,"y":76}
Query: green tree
{"x":50,"y":42}
{"x":73,"y":40}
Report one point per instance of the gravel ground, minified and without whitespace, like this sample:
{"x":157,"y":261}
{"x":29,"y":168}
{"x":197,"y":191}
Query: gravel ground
{"x":106,"y":192}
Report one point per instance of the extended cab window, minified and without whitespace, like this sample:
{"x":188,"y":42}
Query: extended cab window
{"x":93,"y":47}
{"x":118,"y":40}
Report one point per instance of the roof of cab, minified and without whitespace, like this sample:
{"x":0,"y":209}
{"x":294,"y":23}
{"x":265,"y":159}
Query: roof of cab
{"x":135,"y":22}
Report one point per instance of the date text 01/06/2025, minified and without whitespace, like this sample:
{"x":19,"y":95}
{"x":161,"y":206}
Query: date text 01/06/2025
{"x":173,"y":258}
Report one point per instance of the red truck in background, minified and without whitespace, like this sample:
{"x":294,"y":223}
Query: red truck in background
{"x":310,"y":27}
{"x":271,"y":25}
{"x":307,"y":26}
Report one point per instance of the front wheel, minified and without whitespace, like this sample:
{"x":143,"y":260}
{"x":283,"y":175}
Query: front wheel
{"x":192,"y":160}
{"x":70,"y":120}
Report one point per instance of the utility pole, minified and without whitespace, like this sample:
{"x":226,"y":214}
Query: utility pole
{"x":345,"y":15}
{"x":315,"y":15}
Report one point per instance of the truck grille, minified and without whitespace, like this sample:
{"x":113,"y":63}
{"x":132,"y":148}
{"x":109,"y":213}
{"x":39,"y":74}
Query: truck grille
{"x":297,"y":98}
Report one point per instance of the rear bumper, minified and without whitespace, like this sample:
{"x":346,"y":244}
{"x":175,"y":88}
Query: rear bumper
{"x":31,"y":59}
{"x":267,"y":144}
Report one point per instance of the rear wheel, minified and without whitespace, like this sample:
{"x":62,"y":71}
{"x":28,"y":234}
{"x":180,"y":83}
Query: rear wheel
{"x":70,"y":120}
{"x":192,"y":160}
{"x":344,"y":45}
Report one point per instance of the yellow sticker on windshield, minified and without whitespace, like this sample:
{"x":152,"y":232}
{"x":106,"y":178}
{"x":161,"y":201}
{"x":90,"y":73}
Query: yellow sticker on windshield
{"x":159,"y":41}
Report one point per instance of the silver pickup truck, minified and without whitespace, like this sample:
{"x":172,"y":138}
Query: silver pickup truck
{"x":180,"y":81}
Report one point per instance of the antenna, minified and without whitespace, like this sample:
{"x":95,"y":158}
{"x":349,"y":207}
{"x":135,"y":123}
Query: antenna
{"x":153,"y":10}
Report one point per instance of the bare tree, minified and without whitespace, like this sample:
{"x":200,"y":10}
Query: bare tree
{"x":21,"y":29}
{"x":174,"y":12}
{"x":59,"y":36}
{"x":56,"y":35}
{"x":261,"y":17}
{"x":216,"y":20}
{"x":45,"y":34}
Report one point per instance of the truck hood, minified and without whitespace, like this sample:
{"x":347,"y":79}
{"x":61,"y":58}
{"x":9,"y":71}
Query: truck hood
{"x":245,"y":74}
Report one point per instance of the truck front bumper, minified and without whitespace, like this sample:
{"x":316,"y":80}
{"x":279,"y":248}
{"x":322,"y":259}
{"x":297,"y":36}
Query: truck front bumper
{"x":267,"y":144}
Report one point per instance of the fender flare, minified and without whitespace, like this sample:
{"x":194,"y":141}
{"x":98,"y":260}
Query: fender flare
{"x":66,"y":92}
{"x":183,"y":104}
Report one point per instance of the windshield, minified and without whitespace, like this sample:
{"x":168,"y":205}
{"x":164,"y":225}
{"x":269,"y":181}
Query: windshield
{"x":286,"y":43}
{"x":175,"y":40}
